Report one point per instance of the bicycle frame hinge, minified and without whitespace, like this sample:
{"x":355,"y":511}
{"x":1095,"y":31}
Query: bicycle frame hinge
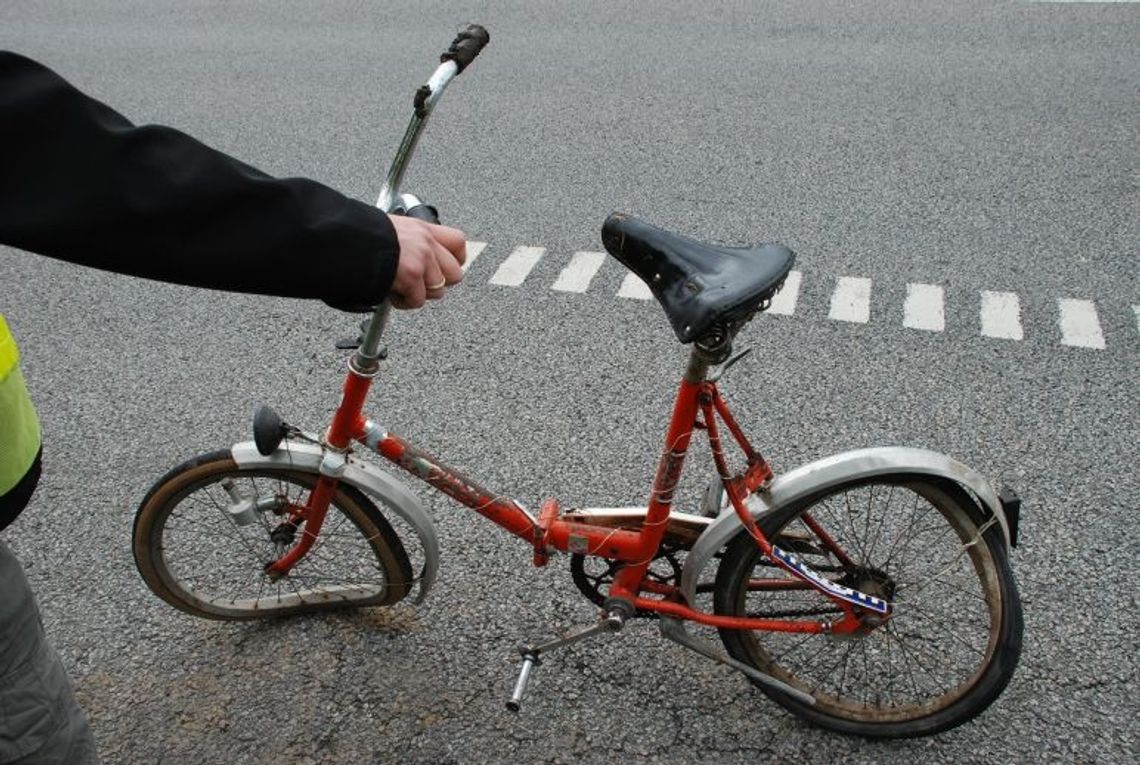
{"x":758,"y":475}
{"x":547,"y":515}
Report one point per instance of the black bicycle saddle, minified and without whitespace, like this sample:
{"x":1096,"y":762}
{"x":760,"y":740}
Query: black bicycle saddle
{"x":697,"y":284}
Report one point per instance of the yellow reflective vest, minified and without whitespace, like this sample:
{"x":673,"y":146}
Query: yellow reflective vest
{"x":19,"y":427}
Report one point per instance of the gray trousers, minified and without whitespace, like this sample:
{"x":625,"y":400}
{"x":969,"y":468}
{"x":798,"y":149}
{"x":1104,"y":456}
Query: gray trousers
{"x":40,"y":722}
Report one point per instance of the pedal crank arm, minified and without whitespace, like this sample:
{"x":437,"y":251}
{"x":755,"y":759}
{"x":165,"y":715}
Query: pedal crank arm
{"x":607,"y":624}
{"x":674,"y":629}
{"x":532,"y":655}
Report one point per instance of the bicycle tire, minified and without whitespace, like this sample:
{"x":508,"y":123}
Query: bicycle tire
{"x":974,"y":594}
{"x":180,"y":540}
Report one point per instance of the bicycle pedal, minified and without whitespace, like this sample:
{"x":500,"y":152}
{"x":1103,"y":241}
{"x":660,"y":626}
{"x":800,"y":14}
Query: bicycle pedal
{"x":530,"y":661}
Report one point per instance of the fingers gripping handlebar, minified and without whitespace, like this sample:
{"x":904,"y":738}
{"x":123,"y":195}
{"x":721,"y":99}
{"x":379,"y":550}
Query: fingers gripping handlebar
{"x":466,"y":46}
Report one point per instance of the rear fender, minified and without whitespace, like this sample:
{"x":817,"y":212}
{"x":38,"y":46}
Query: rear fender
{"x":374,"y":482}
{"x":830,"y":472}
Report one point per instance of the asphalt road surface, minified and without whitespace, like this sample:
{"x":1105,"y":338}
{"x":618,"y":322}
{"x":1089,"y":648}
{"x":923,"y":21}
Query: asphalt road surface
{"x":981,"y":155}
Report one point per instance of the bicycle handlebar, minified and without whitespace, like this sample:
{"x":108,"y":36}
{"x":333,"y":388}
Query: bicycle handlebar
{"x":466,"y":46}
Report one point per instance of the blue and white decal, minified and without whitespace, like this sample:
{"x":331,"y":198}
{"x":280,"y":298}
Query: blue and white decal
{"x":855,"y":597}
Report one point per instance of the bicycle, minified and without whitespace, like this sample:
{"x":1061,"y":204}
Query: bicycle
{"x":869,"y":592}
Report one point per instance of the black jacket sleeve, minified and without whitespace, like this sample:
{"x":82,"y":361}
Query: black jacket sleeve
{"x":80,"y":183}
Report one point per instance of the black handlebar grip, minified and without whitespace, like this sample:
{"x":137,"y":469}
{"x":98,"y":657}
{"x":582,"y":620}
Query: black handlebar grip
{"x":466,"y":46}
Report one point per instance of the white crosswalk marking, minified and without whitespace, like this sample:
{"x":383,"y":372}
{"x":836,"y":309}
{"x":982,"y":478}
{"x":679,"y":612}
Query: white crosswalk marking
{"x":473,"y":251}
{"x":633,"y":287}
{"x":578,"y":274}
{"x":851,"y":300}
{"x":784,"y":303}
{"x":924,"y":308}
{"x":514,"y":270}
{"x":1001,"y":315}
{"x":1080,"y":325}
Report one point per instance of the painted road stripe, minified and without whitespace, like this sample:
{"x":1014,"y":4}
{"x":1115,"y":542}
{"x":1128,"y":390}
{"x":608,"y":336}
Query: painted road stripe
{"x":474,"y":249}
{"x":633,"y":287}
{"x":576,"y":277}
{"x":923,"y":308}
{"x":1001,"y":315}
{"x":514,"y":270}
{"x":851,"y":300}
{"x":1080,"y":326}
{"x":784,"y":303}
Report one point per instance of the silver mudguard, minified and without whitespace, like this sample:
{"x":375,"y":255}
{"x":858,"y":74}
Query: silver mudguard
{"x":829,"y":472}
{"x":374,"y":482}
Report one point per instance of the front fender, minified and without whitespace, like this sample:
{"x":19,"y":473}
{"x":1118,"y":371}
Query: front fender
{"x":374,"y":482}
{"x":830,"y":472}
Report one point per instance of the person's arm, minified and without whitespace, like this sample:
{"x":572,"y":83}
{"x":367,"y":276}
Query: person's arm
{"x":80,"y":183}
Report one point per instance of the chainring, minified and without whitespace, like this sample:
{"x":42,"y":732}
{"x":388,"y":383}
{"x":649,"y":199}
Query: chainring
{"x":664,"y":568}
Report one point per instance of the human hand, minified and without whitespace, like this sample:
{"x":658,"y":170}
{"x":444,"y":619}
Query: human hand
{"x":431,"y":259}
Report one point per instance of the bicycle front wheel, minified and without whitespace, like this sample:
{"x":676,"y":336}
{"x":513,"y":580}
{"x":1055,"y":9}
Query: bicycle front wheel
{"x":954,"y":636}
{"x":197,"y":555}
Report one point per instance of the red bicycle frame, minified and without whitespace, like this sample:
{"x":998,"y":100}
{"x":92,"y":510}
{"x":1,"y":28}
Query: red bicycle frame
{"x":698,"y":406}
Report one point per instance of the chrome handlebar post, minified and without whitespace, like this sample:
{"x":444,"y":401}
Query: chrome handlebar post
{"x":426,"y":98}
{"x":367,"y":356}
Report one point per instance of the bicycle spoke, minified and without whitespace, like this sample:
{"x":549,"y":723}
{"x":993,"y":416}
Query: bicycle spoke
{"x":843,"y":677}
{"x":906,"y":650}
{"x":942,"y":628}
{"x":867,"y":525}
{"x":232,"y":532}
{"x":866,"y":671}
{"x":882,"y":520}
{"x":906,"y":536}
{"x":855,"y":541}
{"x":830,"y":670}
{"x":795,"y":647}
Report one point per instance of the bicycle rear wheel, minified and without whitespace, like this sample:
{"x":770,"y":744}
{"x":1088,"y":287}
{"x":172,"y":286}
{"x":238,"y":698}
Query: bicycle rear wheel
{"x":194,"y":555}
{"x":954,"y":637}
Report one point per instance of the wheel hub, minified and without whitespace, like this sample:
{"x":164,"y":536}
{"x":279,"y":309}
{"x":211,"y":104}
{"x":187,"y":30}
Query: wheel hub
{"x":284,"y":534}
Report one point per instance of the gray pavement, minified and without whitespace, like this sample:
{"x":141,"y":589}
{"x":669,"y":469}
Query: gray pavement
{"x":978,"y":147}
